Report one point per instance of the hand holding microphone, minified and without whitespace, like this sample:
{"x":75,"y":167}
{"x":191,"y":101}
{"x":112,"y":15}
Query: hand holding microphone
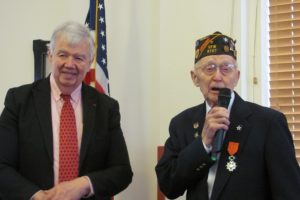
{"x":216,"y":123}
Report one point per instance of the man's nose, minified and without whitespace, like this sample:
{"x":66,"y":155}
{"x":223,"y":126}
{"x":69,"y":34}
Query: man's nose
{"x":70,"y":61}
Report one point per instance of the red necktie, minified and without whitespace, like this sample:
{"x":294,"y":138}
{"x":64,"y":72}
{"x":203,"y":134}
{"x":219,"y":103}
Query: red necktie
{"x":68,"y":145}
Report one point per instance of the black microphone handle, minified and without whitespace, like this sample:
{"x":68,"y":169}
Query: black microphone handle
{"x":218,"y":140}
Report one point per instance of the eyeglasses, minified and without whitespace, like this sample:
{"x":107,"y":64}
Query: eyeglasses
{"x":211,"y":68}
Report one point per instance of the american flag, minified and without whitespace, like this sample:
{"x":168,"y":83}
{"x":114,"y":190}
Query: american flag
{"x":98,"y":75}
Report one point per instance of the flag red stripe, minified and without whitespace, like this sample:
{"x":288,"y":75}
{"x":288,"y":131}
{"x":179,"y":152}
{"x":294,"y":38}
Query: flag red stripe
{"x":90,"y":76}
{"x":99,"y":87}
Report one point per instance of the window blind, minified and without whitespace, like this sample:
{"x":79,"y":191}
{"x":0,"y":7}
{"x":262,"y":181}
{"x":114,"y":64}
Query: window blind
{"x":284,"y":32}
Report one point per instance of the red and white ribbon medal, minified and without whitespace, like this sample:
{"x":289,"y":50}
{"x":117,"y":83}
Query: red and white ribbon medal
{"x":232,"y":149}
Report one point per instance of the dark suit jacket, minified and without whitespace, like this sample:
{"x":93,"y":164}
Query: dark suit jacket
{"x":26,"y":149}
{"x":266,"y":164}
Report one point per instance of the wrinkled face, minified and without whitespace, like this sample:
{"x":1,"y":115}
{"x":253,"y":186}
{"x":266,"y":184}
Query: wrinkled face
{"x":214,"y":72}
{"x":69,"y":63}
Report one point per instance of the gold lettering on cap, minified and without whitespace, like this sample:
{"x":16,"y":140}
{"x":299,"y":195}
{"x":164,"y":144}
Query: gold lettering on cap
{"x":211,"y":49}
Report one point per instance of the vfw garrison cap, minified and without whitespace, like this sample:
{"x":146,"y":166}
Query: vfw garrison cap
{"x":215,"y":44}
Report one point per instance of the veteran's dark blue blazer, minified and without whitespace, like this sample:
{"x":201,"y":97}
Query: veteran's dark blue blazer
{"x":26,"y":148}
{"x":266,"y":165}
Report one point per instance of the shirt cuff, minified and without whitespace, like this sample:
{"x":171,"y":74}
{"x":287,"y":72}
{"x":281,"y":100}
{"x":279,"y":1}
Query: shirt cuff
{"x":91,"y":188}
{"x":34,"y":195}
{"x":207,"y":149}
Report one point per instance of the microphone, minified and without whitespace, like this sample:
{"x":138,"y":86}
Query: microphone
{"x":223,"y":101}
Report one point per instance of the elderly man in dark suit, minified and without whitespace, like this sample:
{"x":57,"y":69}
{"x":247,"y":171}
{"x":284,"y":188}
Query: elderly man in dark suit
{"x":59,"y":138}
{"x":257,"y":159}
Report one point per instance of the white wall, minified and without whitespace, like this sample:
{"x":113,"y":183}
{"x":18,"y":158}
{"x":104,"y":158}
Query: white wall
{"x":150,"y":55}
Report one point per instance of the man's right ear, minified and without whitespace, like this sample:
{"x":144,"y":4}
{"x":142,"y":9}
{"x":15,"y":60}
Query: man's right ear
{"x":195,"y":79}
{"x":49,"y":56}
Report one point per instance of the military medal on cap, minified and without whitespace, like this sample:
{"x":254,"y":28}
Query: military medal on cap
{"x":232,"y":150}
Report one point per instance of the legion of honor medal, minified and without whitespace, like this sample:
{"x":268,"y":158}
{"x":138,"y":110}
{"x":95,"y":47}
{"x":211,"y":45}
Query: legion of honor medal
{"x":232,"y":149}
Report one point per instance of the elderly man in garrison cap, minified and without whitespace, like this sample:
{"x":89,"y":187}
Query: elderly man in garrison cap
{"x":227,"y":148}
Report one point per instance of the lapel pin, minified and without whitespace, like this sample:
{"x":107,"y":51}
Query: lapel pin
{"x":239,"y":127}
{"x":196,"y":125}
{"x":196,"y":135}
